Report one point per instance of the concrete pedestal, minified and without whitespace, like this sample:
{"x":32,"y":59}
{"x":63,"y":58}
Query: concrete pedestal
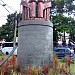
{"x":35,"y":43}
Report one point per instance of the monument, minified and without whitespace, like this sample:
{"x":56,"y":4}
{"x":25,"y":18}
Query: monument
{"x":35,"y":34}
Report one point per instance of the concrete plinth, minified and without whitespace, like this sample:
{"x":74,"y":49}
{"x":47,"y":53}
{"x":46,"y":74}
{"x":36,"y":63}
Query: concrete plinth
{"x":35,"y":43}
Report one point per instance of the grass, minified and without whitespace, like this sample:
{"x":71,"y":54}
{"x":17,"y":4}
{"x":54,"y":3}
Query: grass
{"x":2,"y":56}
{"x":72,"y":68}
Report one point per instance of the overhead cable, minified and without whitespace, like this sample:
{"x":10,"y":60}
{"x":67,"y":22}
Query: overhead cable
{"x":4,"y":4}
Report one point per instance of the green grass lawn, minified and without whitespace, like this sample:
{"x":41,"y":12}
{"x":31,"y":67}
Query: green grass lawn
{"x":72,"y":68}
{"x":2,"y":56}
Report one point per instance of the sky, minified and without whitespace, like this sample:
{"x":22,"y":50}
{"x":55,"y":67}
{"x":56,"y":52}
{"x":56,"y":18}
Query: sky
{"x":14,"y":4}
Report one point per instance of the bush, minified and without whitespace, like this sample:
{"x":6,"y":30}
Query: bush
{"x":1,"y":53}
{"x":72,"y":61}
{"x":63,"y":60}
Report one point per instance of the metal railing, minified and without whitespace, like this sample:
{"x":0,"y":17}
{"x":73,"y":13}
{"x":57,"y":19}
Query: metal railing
{"x":2,"y":62}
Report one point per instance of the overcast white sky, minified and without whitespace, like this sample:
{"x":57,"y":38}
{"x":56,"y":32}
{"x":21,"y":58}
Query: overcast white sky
{"x":3,"y":13}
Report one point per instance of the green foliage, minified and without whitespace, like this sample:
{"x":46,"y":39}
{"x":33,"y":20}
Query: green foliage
{"x":7,"y":30}
{"x":1,"y":54}
{"x":63,"y":60}
{"x":62,"y":6}
{"x":72,"y":61}
{"x":60,"y":22}
{"x":63,"y":24}
{"x":10,"y":19}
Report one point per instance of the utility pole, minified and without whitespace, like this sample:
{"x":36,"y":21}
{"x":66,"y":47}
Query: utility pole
{"x":15,"y":24}
{"x":14,"y":41}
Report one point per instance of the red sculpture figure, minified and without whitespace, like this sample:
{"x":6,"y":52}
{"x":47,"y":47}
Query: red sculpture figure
{"x":40,"y":8}
{"x":32,"y":5}
{"x":29,"y":9}
{"x":24,"y":10}
{"x":32,"y":1}
{"x":47,"y":10}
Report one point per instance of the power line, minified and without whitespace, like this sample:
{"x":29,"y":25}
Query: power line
{"x":6,"y":9}
{"x":2,"y":1}
{"x":3,"y":16}
{"x":11,"y":8}
{"x":4,"y":4}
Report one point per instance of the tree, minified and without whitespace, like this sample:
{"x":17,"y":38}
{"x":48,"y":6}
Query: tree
{"x":62,"y":24}
{"x":62,"y":6}
{"x":7,"y":30}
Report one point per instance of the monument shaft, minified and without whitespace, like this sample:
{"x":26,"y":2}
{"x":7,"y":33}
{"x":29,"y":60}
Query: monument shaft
{"x":35,"y":35}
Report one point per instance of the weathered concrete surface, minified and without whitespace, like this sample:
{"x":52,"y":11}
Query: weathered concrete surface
{"x":35,"y":43}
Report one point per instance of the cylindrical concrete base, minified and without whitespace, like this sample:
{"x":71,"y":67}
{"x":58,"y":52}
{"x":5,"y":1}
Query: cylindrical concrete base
{"x":35,"y":43}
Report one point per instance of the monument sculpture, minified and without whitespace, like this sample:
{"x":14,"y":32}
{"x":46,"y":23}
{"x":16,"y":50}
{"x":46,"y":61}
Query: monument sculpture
{"x":35,"y":34}
{"x":36,"y":9}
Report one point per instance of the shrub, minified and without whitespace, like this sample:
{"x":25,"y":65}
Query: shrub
{"x":1,"y":53}
{"x":63,"y":60}
{"x":72,"y":61}
{"x":12,"y":68}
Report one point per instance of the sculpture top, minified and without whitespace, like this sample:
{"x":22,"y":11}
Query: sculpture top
{"x":33,"y":9}
{"x":32,"y":1}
